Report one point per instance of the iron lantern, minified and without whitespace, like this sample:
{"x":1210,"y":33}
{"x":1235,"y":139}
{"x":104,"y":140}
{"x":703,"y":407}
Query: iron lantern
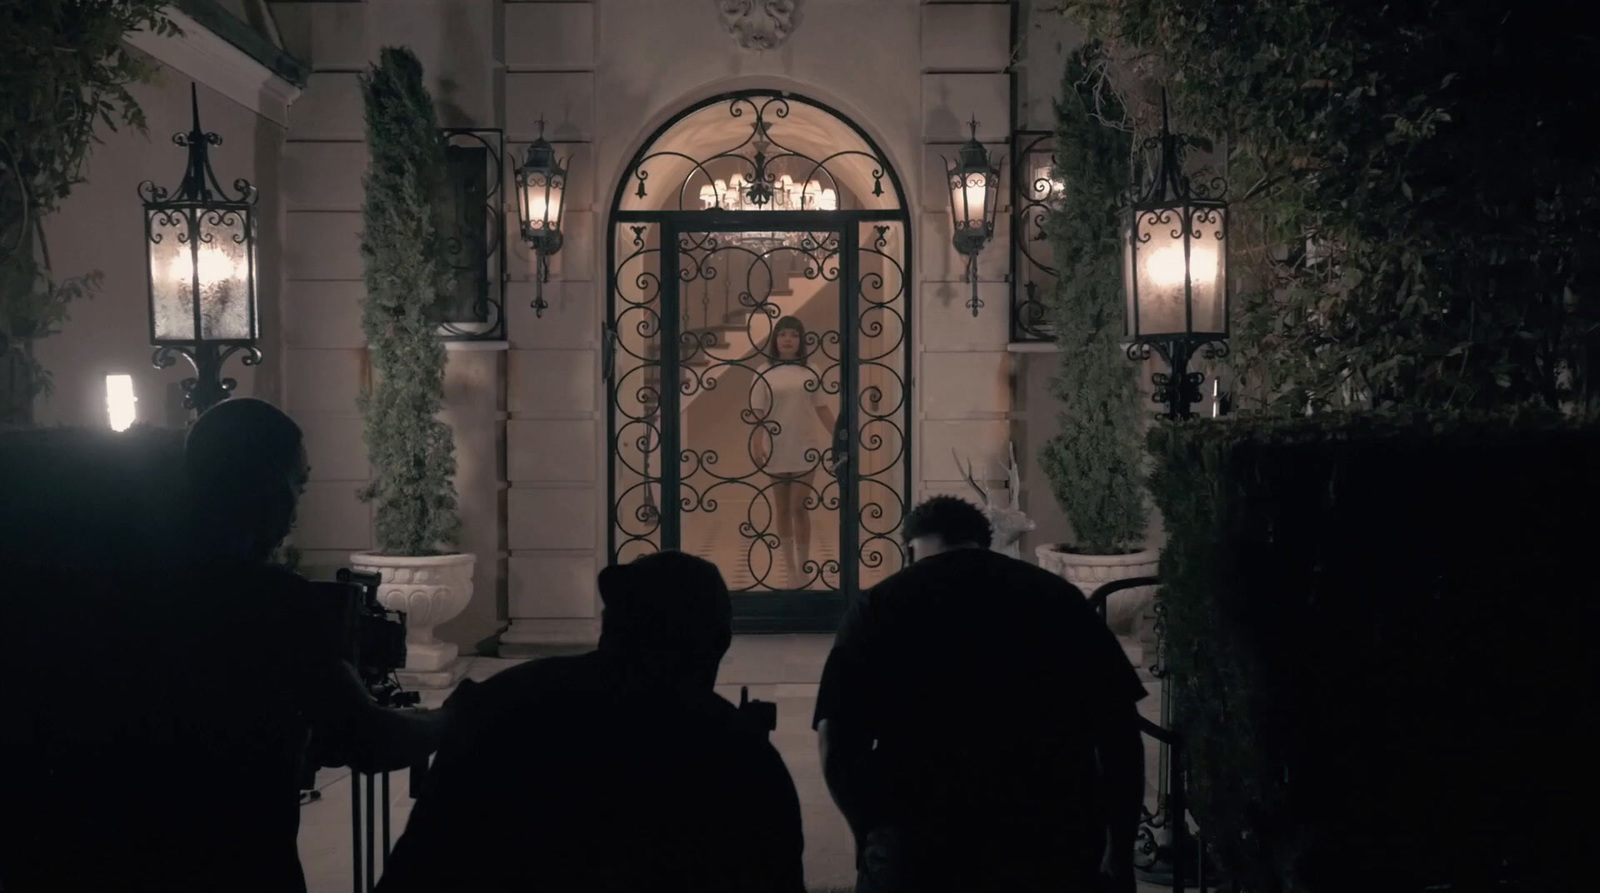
{"x":200,"y":246}
{"x":974,"y":181}
{"x":541,"y":200}
{"x":1175,"y":272}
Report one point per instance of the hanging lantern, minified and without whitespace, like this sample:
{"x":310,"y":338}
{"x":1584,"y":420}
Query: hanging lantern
{"x":541,"y":200}
{"x":974,"y":182}
{"x":1175,"y":272}
{"x":200,"y":247}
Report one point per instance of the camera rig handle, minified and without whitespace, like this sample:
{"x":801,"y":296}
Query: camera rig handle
{"x":760,"y":714}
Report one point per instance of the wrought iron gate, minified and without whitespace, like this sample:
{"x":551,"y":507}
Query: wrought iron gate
{"x":718,"y":430}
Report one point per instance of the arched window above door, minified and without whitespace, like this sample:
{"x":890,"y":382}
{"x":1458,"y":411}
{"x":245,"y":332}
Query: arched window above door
{"x":759,"y":151}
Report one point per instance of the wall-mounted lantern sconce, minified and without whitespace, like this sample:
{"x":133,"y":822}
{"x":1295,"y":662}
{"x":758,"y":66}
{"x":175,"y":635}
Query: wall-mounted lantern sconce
{"x":541,"y":200}
{"x":974,"y":182}
{"x":1176,"y":273}
{"x":201,"y":250}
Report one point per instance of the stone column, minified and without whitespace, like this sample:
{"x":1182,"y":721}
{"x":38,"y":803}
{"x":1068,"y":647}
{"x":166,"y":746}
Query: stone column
{"x":555,"y":432}
{"x":963,"y":372}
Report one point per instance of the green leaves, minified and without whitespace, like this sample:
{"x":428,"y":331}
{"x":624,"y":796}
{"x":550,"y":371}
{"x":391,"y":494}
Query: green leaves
{"x":1094,"y":464}
{"x":63,"y":73}
{"x":1450,"y":194}
{"x":407,"y":277}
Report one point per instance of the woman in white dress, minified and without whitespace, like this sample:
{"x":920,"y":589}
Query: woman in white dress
{"x":794,"y":426}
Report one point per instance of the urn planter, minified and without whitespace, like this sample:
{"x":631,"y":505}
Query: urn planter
{"x":431,"y":590}
{"x":1127,"y":611}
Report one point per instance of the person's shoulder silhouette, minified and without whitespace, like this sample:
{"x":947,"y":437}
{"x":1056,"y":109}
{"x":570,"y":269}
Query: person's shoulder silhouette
{"x":616,"y":770}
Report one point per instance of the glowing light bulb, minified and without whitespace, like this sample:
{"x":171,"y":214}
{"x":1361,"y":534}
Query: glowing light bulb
{"x":977,"y":195}
{"x":215,"y":267}
{"x":1166,"y":265}
{"x":120,"y":402}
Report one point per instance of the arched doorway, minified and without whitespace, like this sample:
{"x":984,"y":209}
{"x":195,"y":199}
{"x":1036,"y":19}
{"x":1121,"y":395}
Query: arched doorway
{"x":758,"y":281}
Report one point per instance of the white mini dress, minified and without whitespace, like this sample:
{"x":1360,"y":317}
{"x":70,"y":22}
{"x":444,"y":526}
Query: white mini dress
{"x":779,"y":394}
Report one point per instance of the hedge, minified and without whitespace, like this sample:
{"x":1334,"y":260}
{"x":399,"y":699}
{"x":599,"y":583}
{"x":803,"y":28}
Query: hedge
{"x":1374,"y":624}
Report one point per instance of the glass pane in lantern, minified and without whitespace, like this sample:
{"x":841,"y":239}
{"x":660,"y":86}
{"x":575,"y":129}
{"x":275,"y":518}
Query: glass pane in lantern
{"x":1130,"y":252}
{"x":976,"y":199}
{"x":1208,"y":268}
{"x":542,"y":199}
{"x":1159,"y":262}
{"x":224,"y":272}
{"x":555,"y":196}
{"x":171,"y":277}
{"x":991,"y":201}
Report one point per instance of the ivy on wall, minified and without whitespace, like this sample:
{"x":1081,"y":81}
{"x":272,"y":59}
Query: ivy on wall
{"x":1420,"y":220}
{"x":408,"y":278}
{"x":1094,"y":463}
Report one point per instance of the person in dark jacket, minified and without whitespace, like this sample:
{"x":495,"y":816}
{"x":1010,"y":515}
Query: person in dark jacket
{"x":616,"y":771}
{"x":977,"y":724}
{"x":161,"y":676}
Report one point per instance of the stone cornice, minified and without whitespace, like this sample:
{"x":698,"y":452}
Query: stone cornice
{"x":219,"y":63}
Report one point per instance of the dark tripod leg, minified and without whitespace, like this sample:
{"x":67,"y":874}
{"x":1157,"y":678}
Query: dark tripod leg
{"x":372,"y":832}
{"x":355,"y":829}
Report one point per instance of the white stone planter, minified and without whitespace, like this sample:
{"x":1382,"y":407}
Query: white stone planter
{"x":431,"y":590}
{"x":1127,"y":608}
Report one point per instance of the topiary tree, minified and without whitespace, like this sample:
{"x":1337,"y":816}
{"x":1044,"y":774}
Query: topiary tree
{"x":1094,"y":464}
{"x":64,"y":71}
{"x":408,"y":278}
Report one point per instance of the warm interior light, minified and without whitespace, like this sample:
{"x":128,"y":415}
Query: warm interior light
{"x":1046,"y":186}
{"x":708,"y":196}
{"x":1165,"y":265}
{"x":977,"y":195}
{"x":120,"y":402}
{"x":224,"y":288}
{"x":216,"y":268}
{"x":543,"y":203}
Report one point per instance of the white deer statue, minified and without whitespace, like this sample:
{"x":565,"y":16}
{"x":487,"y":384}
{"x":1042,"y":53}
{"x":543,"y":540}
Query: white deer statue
{"x":1008,"y":521}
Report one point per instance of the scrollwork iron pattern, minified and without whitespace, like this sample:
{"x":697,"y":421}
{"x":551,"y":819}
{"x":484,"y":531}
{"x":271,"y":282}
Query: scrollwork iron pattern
{"x":709,"y":314}
{"x":721,"y":343}
{"x":1034,"y":191}
{"x":207,"y":387}
{"x":1179,"y":388}
{"x":465,"y":254}
{"x":633,"y":380}
{"x":759,"y":159}
{"x":883,"y":336}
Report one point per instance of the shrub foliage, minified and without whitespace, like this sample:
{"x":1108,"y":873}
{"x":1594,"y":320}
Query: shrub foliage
{"x":1095,"y":463}
{"x":407,"y":277}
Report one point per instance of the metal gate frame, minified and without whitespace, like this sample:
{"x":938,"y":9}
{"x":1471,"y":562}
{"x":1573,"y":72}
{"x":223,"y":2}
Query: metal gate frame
{"x":764,"y":611}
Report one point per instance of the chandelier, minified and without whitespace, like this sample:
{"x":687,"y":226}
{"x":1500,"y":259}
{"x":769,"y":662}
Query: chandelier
{"x":783,"y":193}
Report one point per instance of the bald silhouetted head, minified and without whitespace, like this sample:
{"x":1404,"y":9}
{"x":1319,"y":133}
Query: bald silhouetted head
{"x":245,"y":463}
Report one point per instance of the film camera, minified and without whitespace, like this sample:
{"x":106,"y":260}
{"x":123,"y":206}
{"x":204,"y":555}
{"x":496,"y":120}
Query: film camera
{"x":371,"y":637}
{"x":761,"y":715}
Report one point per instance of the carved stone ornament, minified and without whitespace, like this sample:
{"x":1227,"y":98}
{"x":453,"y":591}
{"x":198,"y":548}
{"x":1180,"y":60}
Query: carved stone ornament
{"x":758,"y":24}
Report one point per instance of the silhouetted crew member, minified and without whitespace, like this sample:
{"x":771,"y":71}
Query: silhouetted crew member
{"x":617,"y":771}
{"x":962,"y":714}
{"x":166,"y":693}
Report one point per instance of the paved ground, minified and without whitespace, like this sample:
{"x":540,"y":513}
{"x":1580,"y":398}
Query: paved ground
{"x":783,"y":669}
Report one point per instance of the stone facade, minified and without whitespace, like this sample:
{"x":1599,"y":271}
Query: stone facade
{"x":529,"y":411}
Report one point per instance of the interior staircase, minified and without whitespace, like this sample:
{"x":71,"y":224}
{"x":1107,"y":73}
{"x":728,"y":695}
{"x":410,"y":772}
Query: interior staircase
{"x":720,"y":336}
